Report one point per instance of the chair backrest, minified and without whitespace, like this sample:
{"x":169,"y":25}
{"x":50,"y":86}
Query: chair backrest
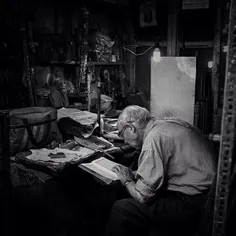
{"x":5,"y":180}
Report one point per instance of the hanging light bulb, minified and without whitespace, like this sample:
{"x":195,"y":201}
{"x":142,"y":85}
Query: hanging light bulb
{"x":210,"y":64}
{"x":157,"y":55}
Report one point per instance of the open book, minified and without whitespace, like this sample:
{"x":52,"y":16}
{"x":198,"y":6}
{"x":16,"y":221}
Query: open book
{"x":102,"y":169}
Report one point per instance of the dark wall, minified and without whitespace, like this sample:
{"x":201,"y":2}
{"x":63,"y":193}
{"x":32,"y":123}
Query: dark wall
{"x":143,"y":73}
{"x":194,"y":26}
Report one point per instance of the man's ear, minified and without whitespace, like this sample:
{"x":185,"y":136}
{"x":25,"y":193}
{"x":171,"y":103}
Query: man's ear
{"x":133,"y":128}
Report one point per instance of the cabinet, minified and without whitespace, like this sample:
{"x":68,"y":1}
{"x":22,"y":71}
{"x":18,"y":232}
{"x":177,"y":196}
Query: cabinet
{"x":82,"y":71}
{"x":83,"y":85}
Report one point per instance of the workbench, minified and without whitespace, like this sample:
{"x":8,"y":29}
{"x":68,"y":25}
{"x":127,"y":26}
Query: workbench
{"x":69,"y":202}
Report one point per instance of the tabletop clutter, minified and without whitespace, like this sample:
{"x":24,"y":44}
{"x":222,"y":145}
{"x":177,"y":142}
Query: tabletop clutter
{"x":52,"y":137}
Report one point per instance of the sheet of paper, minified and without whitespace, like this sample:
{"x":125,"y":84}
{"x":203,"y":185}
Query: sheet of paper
{"x":71,"y":156}
{"x":83,"y":117}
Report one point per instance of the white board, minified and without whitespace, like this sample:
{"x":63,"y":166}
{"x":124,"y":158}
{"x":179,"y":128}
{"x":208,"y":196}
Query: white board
{"x":173,"y":87}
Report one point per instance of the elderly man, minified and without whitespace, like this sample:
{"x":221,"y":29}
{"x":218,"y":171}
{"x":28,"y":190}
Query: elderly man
{"x":176,"y":168}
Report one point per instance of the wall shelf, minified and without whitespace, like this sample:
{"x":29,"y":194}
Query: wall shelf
{"x":90,"y":63}
{"x":105,"y":63}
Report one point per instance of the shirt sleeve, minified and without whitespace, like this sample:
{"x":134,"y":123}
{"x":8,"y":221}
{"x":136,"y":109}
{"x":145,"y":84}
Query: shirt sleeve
{"x":150,"y":173}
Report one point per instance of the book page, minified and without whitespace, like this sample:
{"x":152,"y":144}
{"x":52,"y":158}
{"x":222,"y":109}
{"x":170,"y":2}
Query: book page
{"x":101,"y":171}
{"x":104,"y":162}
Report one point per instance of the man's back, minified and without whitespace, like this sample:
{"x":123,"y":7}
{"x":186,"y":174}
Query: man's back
{"x":187,"y":158}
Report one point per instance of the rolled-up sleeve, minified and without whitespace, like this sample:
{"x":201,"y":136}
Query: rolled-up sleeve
{"x":150,"y":173}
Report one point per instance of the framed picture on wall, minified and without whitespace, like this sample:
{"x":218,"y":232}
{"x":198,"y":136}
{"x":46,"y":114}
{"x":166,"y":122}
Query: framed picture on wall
{"x":148,"y":14}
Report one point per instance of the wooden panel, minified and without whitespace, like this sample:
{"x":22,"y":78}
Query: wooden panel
{"x":173,"y":87}
{"x":143,"y":75}
{"x":172,"y":28}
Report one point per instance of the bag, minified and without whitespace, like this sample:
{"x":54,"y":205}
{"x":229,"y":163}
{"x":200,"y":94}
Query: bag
{"x":33,"y":127}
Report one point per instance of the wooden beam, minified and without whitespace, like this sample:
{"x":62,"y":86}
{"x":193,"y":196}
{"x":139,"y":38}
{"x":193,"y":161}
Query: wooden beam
{"x":216,"y":62}
{"x":172,"y":31}
{"x":228,"y":134}
{"x":130,"y":59}
{"x":196,"y":44}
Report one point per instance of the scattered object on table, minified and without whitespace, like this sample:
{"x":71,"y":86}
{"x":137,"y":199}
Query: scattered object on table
{"x":42,"y":155}
{"x":87,"y":143}
{"x":101,"y":141}
{"x":33,"y":127}
{"x":70,"y":128}
{"x":83,"y":117}
{"x":57,"y":155}
{"x":106,"y":153}
{"x":93,"y":146}
{"x":84,"y":122}
{"x":110,"y":125}
{"x":53,"y":145}
{"x":69,"y":144}
{"x":94,"y":142}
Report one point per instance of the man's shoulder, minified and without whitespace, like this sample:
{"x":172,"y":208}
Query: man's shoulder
{"x":161,"y":128}
{"x":156,"y":135}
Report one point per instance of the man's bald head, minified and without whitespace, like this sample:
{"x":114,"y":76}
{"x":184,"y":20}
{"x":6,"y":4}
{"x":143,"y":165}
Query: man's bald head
{"x":132,"y":123}
{"x":137,"y":115}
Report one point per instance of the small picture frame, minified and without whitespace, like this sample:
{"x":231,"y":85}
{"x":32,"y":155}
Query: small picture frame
{"x":148,"y":14}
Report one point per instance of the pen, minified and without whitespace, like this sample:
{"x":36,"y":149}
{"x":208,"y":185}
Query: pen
{"x":106,"y":153}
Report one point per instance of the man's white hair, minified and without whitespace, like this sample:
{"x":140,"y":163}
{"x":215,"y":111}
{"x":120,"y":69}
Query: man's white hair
{"x":135,"y":114}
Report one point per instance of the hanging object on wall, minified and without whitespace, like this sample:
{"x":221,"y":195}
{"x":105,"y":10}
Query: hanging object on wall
{"x":195,"y":4}
{"x":173,"y":88}
{"x":148,"y":14}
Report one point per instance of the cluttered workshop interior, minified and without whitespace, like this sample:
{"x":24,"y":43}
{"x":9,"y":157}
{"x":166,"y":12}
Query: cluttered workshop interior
{"x":117,"y":117}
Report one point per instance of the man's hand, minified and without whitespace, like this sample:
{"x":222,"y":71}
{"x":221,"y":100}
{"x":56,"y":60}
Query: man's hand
{"x":124,"y":173}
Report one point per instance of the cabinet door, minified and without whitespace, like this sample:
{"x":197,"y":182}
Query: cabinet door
{"x":173,"y":87}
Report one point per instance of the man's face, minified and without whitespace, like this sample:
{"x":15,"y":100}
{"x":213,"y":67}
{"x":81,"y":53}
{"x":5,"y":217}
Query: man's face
{"x":130,"y":135}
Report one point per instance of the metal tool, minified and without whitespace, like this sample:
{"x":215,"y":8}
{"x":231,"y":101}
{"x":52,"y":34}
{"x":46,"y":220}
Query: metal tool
{"x":87,"y":145}
{"x":106,"y":153}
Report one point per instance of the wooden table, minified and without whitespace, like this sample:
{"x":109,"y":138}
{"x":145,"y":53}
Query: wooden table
{"x":70,"y":202}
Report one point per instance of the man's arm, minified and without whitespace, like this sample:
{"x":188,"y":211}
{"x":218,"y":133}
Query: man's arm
{"x":150,"y":173}
{"x":127,"y":179}
{"x":134,"y":193}
{"x":149,"y":177}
